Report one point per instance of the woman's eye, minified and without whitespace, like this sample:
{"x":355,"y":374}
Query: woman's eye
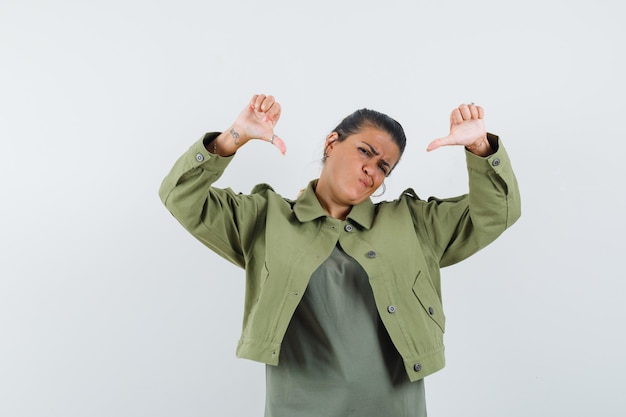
{"x":383,"y":169}
{"x":364,"y":151}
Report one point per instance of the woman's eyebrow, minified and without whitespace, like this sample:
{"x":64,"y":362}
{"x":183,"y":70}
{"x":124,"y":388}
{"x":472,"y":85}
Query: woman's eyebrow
{"x":376,"y":153}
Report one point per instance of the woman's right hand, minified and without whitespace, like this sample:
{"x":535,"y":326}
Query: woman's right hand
{"x":256,"y":121}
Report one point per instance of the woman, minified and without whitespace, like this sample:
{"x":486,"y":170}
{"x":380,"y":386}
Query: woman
{"x":343,"y":296}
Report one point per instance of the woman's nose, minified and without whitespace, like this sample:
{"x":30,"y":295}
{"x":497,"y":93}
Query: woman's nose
{"x":369,"y":168}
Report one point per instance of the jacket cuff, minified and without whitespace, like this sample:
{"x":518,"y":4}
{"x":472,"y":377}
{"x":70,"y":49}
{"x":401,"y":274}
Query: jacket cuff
{"x":497,"y":161}
{"x":199,"y":156}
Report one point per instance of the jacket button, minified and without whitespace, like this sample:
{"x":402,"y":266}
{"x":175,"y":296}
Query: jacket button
{"x":417,"y":367}
{"x":431,"y":310}
{"x":495,"y":162}
{"x":348,"y":228}
{"x":371,"y":254}
{"x":199,"y":157}
{"x":391,"y":309}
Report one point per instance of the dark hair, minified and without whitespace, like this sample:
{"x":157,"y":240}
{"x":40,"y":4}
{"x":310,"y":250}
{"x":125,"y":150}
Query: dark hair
{"x":362,"y":118}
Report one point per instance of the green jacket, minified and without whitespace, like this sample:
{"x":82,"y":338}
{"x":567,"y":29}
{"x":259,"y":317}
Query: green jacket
{"x":401,"y":244}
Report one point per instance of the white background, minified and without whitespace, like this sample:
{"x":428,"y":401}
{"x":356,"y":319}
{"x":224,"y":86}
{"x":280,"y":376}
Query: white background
{"x":109,"y":308}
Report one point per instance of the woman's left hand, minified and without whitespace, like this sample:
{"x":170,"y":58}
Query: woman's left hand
{"x":467,"y":128}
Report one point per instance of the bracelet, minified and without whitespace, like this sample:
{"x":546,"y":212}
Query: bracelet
{"x":475,"y":146}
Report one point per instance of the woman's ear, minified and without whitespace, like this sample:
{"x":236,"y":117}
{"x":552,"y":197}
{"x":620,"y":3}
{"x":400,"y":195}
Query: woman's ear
{"x":331,"y":140}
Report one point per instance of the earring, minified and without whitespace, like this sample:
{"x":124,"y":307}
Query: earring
{"x":384,"y":189}
{"x":325,"y":157}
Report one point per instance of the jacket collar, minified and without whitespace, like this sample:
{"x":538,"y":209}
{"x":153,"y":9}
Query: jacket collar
{"x":307,"y":207}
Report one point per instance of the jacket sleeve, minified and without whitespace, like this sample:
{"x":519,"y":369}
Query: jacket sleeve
{"x":459,"y":227}
{"x":219,"y":218}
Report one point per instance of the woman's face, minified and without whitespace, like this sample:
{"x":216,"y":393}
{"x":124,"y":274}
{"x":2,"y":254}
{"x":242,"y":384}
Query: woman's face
{"x":355,"y":167}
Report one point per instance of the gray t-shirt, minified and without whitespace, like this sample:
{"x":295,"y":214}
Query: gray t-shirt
{"x":337,"y":359}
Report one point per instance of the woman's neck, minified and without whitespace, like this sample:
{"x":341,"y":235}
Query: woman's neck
{"x":333,"y":208}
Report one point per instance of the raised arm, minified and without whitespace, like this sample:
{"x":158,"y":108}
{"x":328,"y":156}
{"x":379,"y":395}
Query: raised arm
{"x":458,"y":227}
{"x":221,"y":219}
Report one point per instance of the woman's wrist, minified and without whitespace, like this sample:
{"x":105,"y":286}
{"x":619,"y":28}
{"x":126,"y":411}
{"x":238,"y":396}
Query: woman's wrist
{"x":481,"y":147}
{"x":226,"y":143}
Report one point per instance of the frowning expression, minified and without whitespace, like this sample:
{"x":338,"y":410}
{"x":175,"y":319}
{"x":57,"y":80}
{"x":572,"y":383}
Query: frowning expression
{"x":356,"y":166}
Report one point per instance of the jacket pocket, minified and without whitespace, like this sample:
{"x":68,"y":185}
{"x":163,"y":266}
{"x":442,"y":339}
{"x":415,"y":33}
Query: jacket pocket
{"x":429,"y":299}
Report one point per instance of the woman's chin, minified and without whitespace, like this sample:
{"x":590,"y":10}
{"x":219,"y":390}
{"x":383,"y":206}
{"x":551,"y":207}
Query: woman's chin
{"x":358,"y":198}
